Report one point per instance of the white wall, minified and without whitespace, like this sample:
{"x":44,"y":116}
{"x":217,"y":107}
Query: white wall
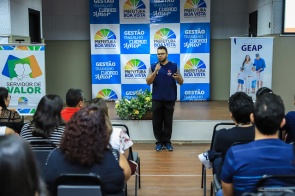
{"x":19,"y":17}
{"x":14,"y":16}
{"x":277,"y":16}
{"x":5,"y":27}
{"x":270,"y":14}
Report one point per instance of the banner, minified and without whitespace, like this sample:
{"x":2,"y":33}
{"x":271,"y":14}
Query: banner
{"x":251,"y":64}
{"x":23,"y":74}
{"x":125,"y":36}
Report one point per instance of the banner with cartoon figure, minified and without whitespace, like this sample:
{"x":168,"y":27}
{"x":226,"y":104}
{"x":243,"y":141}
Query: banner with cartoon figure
{"x":251,"y":64}
{"x":22,"y":73}
{"x":125,"y":36}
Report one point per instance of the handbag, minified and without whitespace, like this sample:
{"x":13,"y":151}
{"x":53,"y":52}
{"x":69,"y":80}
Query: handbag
{"x":133,"y":166}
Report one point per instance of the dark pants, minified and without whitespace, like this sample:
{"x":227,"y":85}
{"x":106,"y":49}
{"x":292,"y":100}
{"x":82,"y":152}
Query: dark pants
{"x":162,"y":120}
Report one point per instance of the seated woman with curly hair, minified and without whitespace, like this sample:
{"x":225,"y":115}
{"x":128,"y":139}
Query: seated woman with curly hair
{"x":85,"y":148}
{"x":9,"y":117}
{"x":119,"y":139}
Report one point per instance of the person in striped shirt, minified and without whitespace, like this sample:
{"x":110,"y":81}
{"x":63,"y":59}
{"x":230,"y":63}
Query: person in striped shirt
{"x":47,"y":124}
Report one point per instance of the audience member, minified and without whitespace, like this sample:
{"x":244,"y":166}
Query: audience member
{"x":9,"y":117}
{"x":5,"y":130}
{"x":240,"y":106}
{"x":245,"y":164}
{"x":74,"y":101}
{"x":19,"y":174}
{"x":47,"y":124}
{"x":119,"y":139}
{"x":289,"y":128}
{"x":85,"y":148}
{"x":262,"y":91}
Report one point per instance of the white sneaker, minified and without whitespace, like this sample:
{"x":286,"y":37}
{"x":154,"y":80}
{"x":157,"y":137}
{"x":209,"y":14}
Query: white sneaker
{"x":205,"y":160}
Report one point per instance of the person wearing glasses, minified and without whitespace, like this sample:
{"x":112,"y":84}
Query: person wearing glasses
{"x":74,"y":101}
{"x":9,"y":117}
{"x":164,"y":75}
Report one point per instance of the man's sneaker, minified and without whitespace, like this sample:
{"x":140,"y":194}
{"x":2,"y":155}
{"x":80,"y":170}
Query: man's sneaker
{"x":204,"y":158}
{"x":169,"y":147}
{"x":159,"y":147}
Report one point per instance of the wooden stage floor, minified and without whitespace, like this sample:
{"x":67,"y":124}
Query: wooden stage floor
{"x":205,"y":110}
{"x":168,"y":173}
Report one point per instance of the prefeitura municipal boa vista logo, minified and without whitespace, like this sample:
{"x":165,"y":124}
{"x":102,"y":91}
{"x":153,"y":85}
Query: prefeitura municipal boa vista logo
{"x":22,"y":101}
{"x":134,"y":9}
{"x":165,"y":37}
{"x":194,"y":68}
{"x":107,"y":93}
{"x":135,"y":68}
{"x":195,"y":8}
{"x":105,"y":39}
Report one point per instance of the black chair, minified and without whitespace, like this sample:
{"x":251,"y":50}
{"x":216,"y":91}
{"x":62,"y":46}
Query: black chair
{"x":134,"y":157}
{"x":215,"y":129}
{"x":268,"y":183}
{"x":78,"y":184}
{"x":41,"y":151}
{"x":216,"y":183}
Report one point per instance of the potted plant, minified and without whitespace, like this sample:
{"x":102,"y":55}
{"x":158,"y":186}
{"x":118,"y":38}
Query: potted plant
{"x":135,"y":108}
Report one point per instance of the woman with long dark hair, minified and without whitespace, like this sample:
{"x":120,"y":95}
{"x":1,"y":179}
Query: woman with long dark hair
{"x":47,"y":124}
{"x":18,"y":169}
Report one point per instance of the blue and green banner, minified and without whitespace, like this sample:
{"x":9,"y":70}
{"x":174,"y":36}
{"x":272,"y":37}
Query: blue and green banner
{"x":23,"y":74}
{"x":125,"y":35}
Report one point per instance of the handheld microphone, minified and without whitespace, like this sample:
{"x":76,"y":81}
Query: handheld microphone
{"x":160,"y":65}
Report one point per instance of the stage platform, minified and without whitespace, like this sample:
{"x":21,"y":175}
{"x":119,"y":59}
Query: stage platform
{"x":193,"y":122}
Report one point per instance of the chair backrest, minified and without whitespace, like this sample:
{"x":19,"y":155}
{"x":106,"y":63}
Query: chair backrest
{"x":125,"y":127}
{"x":77,"y":190}
{"x":276,"y":183}
{"x":78,"y":184}
{"x":217,"y":127}
{"x":41,"y":151}
{"x":42,"y":145}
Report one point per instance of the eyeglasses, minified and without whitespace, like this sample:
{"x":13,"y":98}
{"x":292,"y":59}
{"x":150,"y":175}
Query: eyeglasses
{"x":160,"y":54}
{"x":8,"y":97}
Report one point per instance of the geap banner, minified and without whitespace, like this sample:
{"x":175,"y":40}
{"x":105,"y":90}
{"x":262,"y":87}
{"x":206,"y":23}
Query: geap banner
{"x":251,"y":64}
{"x":23,"y":74}
{"x":125,"y":36}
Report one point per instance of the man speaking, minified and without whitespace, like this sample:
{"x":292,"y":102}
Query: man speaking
{"x":163,"y":75}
